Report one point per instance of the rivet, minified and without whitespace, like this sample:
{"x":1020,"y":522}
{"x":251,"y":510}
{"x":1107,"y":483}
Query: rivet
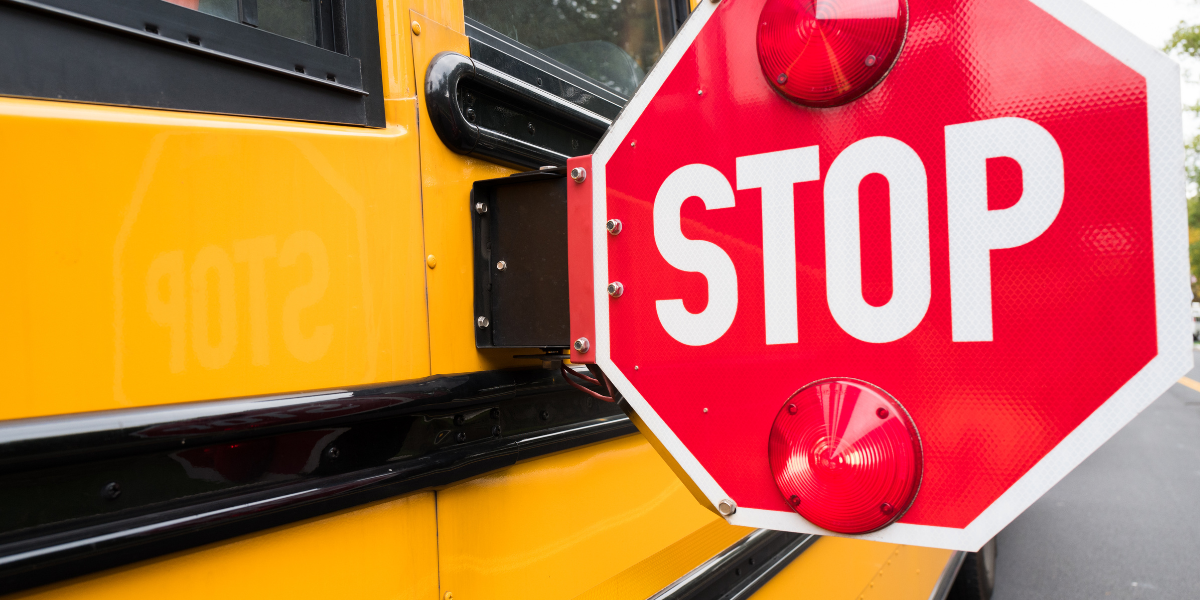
{"x":333,"y":452}
{"x":615,"y":289}
{"x":635,"y":367}
{"x":705,"y":410}
{"x":501,"y":266}
{"x":431,"y":261}
{"x":613,"y":226}
{"x":496,"y":431}
{"x":726,"y":507}
{"x":111,"y":490}
{"x":481,"y":207}
{"x":633,"y":144}
{"x":449,"y":596}
{"x":416,"y":28}
{"x":545,"y":415}
{"x":581,"y":345}
{"x":870,"y":60}
{"x":482,"y":322}
{"x":699,"y":92}
{"x":579,"y":174}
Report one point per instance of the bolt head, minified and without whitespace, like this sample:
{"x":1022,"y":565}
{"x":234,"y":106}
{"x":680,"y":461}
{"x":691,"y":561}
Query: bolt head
{"x":501,"y":266}
{"x":481,"y":207}
{"x":333,"y":452}
{"x":111,"y":490}
{"x":613,"y":226}
{"x":579,"y":174}
{"x":582,"y":345}
{"x":615,"y":289}
{"x":482,"y":322}
{"x":869,"y":60}
{"x":726,"y":507}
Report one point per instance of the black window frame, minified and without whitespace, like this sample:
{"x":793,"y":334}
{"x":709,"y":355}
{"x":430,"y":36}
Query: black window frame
{"x":154,"y":54}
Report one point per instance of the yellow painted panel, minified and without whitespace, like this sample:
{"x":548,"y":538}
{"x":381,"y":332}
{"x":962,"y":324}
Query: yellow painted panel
{"x":446,"y":189}
{"x":849,"y":569}
{"x":384,"y":551}
{"x":669,"y":564}
{"x":154,"y":257}
{"x":558,"y":526}
{"x":395,"y":28}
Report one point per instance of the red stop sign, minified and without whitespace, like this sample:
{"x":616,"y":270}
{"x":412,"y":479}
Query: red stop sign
{"x":994,"y":235}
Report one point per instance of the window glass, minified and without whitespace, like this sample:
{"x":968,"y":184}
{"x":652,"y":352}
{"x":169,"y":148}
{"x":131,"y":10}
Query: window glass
{"x":290,"y":18}
{"x":612,"y":41}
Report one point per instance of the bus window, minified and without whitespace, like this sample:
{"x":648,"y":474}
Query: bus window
{"x":614,"y":42}
{"x":294,"y":19}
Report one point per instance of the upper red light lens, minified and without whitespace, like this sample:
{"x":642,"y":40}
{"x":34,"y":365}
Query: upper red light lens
{"x":845,"y":455}
{"x":824,"y":53}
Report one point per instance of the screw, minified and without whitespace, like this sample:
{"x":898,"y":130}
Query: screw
{"x":481,"y":208}
{"x":881,"y":412}
{"x":726,"y":507}
{"x":482,"y":322}
{"x":579,"y":174}
{"x":461,"y":437}
{"x":886,"y":508}
{"x":501,"y":266}
{"x":111,"y":490}
{"x":496,"y":431}
{"x":545,"y":415}
{"x":431,"y":261}
{"x":416,"y":28}
{"x":699,"y":92}
{"x":870,"y":60}
{"x":531,"y":129}
{"x":615,"y":289}
{"x":333,"y":452}
{"x":470,"y":115}
{"x":613,"y":226}
{"x":782,"y":79}
{"x":795,"y":500}
{"x":582,"y":345}
{"x":792,"y":409}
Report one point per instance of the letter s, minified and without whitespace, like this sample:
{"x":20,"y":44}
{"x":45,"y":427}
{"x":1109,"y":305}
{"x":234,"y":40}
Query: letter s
{"x":697,"y":256}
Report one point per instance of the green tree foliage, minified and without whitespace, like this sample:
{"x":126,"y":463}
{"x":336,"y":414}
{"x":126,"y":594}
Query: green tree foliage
{"x":1185,"y":44}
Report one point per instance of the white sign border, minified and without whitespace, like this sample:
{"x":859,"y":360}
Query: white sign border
{"x":1171,"y":275}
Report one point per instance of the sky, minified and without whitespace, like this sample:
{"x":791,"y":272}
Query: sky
{"x":1154,"y":21}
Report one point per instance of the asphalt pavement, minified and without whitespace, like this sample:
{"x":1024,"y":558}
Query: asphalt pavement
{"x":1124,"y":524}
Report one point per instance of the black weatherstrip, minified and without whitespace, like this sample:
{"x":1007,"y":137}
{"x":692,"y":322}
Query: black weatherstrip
{"x":741,"y":569}
{"x":92,"y":491}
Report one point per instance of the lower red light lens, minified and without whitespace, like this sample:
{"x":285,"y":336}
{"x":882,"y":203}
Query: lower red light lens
{"x":845,"y":455}
{"x":824,"y":53}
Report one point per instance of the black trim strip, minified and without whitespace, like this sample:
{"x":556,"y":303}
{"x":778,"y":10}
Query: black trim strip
{"x":197,"y":473}
{"x":185,"y":46}
{"x":741,"y":569}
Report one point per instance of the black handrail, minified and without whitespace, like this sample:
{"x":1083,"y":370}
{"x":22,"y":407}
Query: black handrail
{"x":448,"y":70}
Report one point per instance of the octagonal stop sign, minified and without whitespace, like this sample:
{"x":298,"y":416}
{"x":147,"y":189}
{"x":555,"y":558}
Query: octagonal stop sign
{"x":905,"y":314}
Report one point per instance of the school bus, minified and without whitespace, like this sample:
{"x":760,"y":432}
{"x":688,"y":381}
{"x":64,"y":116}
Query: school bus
{"x":245,"y":350}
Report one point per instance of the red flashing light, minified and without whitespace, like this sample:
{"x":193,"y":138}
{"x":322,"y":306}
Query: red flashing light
{"x":824,"y":53}
{"x":845,"y":455}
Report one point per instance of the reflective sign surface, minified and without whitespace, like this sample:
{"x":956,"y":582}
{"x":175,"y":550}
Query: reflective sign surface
{"x":986,"y":235}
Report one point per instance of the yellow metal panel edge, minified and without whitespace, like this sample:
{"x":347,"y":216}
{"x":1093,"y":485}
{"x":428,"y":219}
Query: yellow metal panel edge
{"x":386,"y":550}
{"x":669,"y":564}
{"x":849,"y":569}
{"x":446,"y":180}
